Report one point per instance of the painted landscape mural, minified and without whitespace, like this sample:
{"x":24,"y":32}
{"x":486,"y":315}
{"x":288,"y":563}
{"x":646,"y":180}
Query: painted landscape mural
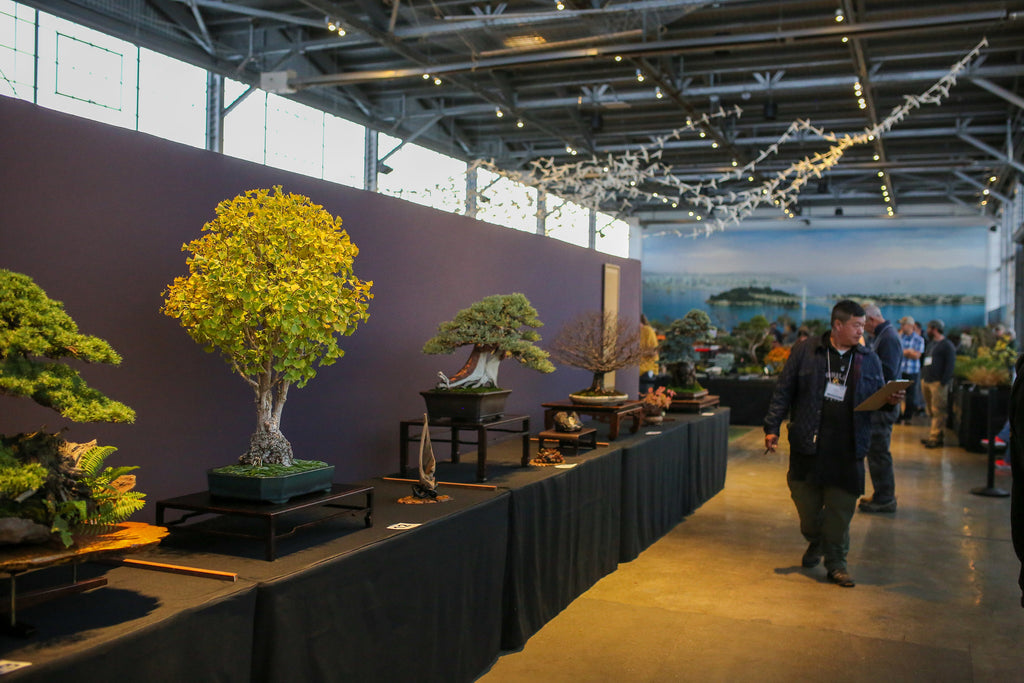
{"x":799,"y":275}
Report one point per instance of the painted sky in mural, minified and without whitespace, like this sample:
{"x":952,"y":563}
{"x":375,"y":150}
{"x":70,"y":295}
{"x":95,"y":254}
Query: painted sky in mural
{"x":925,"y":273}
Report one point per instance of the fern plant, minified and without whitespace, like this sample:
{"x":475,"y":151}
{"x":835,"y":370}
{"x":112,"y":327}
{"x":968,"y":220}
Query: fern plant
{"x":113,"y":497}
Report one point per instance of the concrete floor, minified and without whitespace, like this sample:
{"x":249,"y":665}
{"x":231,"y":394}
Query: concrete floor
{"x":722,"y":597}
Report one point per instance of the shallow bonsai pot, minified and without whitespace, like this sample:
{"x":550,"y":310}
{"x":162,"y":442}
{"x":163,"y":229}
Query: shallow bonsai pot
{"x":277,"y":490}
{"x":465,"y":406}
{"x":610,"y":399}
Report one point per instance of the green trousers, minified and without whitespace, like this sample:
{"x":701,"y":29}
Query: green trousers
{"x":825,"y":514}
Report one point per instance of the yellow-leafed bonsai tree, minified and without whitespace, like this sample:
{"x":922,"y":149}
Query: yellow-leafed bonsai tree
{"x":271,"y":287}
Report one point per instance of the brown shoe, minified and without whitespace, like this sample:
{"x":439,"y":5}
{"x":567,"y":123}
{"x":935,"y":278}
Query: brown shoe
{"x":932,"y":443}
{"x":841,"y":577}
{"x":812,"y":556}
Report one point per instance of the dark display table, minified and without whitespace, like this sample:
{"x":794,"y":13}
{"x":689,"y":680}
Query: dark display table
{"x":505,"y":427}
{"x":613,"y":415}
{"x":434,"y":598}
{"x":747,"y":399}
{"x":203,"y":503}
{"x":969,"y":413}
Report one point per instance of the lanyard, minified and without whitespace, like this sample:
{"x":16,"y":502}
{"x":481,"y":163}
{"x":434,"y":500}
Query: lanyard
{"x":828,"y":365}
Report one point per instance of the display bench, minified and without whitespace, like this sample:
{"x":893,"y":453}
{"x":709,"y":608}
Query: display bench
{"x":613,"y":415}
{"x":347,"y":598}
{"x":202,"y":503}
{"x":506,"y":427}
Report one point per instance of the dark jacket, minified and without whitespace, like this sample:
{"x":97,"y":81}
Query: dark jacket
{"x":801,"y":391}
{"x":943,"y":357}
{"x":887,"y":345}
{"x":1017,"y":466}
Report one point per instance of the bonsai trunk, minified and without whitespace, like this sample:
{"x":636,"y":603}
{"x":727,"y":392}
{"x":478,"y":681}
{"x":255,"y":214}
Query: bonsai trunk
{"x":597,"y":383}
{"x":480,"y":370}
{"x":268,"y":446}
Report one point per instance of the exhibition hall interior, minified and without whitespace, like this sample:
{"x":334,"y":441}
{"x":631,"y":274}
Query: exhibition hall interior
{"x":380,"y":340}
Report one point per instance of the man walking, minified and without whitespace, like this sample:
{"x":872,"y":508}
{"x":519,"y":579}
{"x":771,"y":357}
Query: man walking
{"x":885,"y":342}
{"x":823,"y":381}
{"x":913,"y":349}
{"x":936,"y":373}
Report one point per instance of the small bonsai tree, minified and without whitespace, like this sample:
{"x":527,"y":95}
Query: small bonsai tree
{"x":677,"y":350}
{"x":270,"y":287}
{"x":600,"y":342}
{"x":498,"y":327}
{"x":49,"y":485}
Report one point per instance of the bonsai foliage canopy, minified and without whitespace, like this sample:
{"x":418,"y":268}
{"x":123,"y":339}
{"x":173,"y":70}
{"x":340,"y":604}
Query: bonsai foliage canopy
{"x":271,"y":287}
{"x":497,"y":327}
{"x":600,"y":342}
{"x":49,"y":485}
{"x":36,"y":335}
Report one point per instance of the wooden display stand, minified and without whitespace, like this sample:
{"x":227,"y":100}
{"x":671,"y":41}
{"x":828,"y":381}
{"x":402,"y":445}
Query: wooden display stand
{"x":203,"y":503}
{"x":694,"y":405}
{"x":119,"y":540}
{"x":611,"y":414}
{"x":505,"y":427}
{"x":586,"y":437}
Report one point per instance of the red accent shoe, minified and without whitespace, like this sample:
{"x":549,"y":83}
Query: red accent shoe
{"x":999,"y":443}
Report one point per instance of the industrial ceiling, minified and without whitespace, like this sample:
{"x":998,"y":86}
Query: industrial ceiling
{"x":669,"y":106}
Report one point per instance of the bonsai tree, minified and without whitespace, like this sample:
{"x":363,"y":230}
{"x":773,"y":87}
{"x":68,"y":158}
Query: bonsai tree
{"x":498,"y":327}
{"x":600,"y":342}
{"x":750,"y":339}
{"x":49,"y":485}
{"x":270,"y":287}
{"x":677,"y":350}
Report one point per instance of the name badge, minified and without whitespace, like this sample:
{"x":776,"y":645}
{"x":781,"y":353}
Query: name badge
{"x":836,"y":392}
{"x":928,"y":360}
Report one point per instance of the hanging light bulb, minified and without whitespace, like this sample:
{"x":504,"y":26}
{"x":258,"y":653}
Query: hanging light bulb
{"x":341,"y":30}
{"x":640,"y":75}
{"x":498,"y":112}
{"x":331,"y":26}
{"x":519,"y":123}
{"x":437,"y":80}
{"x":658,"y":93}
{"x":839,"y":15}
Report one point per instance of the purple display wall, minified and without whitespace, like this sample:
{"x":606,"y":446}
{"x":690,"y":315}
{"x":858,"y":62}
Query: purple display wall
{"x":96,"y":215}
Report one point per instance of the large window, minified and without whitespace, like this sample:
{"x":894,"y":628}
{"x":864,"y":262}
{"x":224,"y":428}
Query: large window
{"x":567,"y":221}
{"x":86,"y":73}
{"x":505,"y":202}
{"x":74,"y":69}
{"x":612,"y":235}
{"x":172,"y":99}
{"x":17,"y":51}
{"x":422,"y":176}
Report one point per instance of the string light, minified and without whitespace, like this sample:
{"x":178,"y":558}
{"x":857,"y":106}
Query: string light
{"x":519,"y":123}
{"x":498,"y":112}
{"x":658,"y":93}
{"x":839,"y":15}
{"x":640,"y":75}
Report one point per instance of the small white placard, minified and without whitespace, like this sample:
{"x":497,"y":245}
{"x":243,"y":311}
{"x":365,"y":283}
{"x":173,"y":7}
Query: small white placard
{"x":9,"y":665}
{"x":566,"y":466}
{"x":652,"y":433}
{"x":401,"y":526}
{"x":707,"y":413}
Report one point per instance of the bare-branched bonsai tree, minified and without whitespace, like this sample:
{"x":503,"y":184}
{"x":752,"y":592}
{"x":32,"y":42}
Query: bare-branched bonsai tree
{"x":271,"y":287}
{"x":498,"y":327}
{"x":49,"y":485}
{"x":600,"y":342}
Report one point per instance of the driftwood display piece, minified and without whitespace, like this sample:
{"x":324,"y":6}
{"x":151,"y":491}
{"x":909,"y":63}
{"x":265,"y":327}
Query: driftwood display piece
{"x":425,"y":490}
{"x":568,"y":421}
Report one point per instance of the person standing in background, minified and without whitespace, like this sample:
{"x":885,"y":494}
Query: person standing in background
{"x":913,"y":349}
{"x":885,"y":342}
{"x":648,"y":341}
{"x":936,"y":373}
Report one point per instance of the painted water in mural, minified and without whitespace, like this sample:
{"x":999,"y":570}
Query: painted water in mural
{"x":925,"y":273}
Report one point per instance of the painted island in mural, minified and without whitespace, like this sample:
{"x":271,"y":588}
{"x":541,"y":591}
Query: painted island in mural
{"x":799,"y":275}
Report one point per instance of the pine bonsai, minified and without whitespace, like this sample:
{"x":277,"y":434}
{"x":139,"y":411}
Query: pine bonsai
{"x":677,"y":350}
{"x":498,"y":327}
{"x":49,"y":485}
{"x":271,"y":287}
